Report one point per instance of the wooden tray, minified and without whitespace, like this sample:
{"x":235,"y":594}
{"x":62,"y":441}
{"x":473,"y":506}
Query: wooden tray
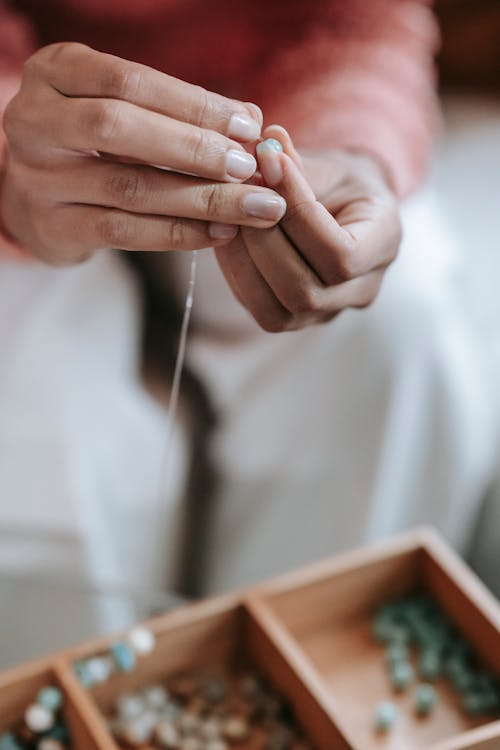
{"x":309,"y":632}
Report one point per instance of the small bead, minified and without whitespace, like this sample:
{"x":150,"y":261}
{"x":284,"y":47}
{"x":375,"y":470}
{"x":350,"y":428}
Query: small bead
{"x":48,"y":743}
{"x":142,"y":640}
{"x":123,"y":656}
{"x":51,"y":698}
{"x":130,"y":706}
{"x":430,"y":665}
{"x":211,"y":729}
{"x":83,"y":674}
{"x":425,"y":699}
{"x":270,"y":144}
{"x":9,"y":742}
{"x":139,"y":731}
{"x":155,"y":697}
{"x":402,"y":674}
{"x":214,"y":690}
{"x":235,"y":729}
{"x":396,"y":652}
{"x":38,"y":718}
{"x":167,"y":735}
{"x":385,"y":716}
{"x":216,"y":744}
{"x":189,"y":723}
{"x":99,"y":669}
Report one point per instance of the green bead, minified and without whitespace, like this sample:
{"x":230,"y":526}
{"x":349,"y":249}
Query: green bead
{"x":385,"y":716}
{"x":402,"y":674}
{"x":396,"y":652}
{"x":425,"y":699}
{"x":473,"y":704}
{"x":430,"y":665}
{"x":51,"y":698}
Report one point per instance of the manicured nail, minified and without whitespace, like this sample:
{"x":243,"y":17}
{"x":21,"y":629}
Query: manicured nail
{"x":269,"y":160}
{"x":262,"y":206}
{"x":243,"y":128}
{"x":240,"y":165}
{"x":222,"y":231}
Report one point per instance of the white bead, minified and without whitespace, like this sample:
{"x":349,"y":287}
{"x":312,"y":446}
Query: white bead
{"x":130,"y":707}
{"x":156,"y":697}
{"x":99,"y":668}
{"x":38,"y":718}
{"x":142,"y":640}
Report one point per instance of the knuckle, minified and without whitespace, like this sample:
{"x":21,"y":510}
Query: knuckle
{"x":102,"y":120}
{"x":200,"y":113}
{"x":304,"y":299}
{"x":121,"y":82}
{"x":176,"y":234}
{"x":126,"y":189}
{"x":198,"y":146}
{"x":115,"y":229}
{"x":212,"y":200}
{"x":347,"y":262}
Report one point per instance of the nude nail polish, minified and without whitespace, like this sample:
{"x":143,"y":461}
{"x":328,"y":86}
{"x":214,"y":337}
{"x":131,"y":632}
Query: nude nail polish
{"x":240,"y":165}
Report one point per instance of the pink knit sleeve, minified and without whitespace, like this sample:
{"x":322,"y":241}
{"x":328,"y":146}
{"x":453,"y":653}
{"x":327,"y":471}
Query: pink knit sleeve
{"x":16,"y":45}
{"x":362,"y":78}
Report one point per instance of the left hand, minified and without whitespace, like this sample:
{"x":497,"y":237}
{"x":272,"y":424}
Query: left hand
{"x":330,"y":251}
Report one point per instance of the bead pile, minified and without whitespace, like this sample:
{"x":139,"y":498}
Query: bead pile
{"x":121,"y":657}
{"x":422,"y":642}
{"x":207,"y":711}
{"x":43,"y":726}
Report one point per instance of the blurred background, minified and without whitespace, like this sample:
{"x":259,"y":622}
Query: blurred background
{"x":466,"y":178}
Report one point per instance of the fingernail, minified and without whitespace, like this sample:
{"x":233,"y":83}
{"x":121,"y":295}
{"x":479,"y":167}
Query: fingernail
{"x":262,"y":206}
{"x":243,"y":128}
{"x":222,"y":231}
{"x":269,"y":160}
{"x":240,"y":165}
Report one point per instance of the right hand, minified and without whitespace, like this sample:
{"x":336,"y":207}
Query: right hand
{"x":87,"y":136}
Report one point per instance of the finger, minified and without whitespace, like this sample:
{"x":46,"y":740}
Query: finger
{"x":250,"y":289}
{"x":296,"y":286}
{"x":76,"y":70}
{"x":74,"y":232}
{"x":146,"y":190}
{"x":278,"y":133}
{"x":335,"y":252}
{"x":123,"y":129}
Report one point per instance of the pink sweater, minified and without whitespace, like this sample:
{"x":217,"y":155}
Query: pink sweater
{"x":355,"y":74}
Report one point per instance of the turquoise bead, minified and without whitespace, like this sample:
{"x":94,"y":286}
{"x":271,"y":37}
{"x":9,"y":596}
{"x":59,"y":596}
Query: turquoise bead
{"x":396,"y":652}
{"x":425,"y":699}
{"x":385,"y":716}
{"x":430,"y":665}
{"x":9,"y":742}
{"x":83,"y":674}
{"x":51,"y":698}
{"x":270,"y":144}
{"x":402,"y":674}
{"x":473,"y":704}
{"x":123,"y":656}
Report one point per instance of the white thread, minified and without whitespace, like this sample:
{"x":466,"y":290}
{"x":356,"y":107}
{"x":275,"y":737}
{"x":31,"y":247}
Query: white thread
{"x":181,"y":352}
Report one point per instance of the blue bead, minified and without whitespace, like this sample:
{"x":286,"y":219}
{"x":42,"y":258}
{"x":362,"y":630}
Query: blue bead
{"x":83,"y":674}
{"x":124,"y":656}
{"x":51,"y":698}
{"x":402,"y":674}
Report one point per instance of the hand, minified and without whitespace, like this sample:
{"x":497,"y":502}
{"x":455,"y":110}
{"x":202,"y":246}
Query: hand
{"x":331,"y":249}
{"x":86,"y":134}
